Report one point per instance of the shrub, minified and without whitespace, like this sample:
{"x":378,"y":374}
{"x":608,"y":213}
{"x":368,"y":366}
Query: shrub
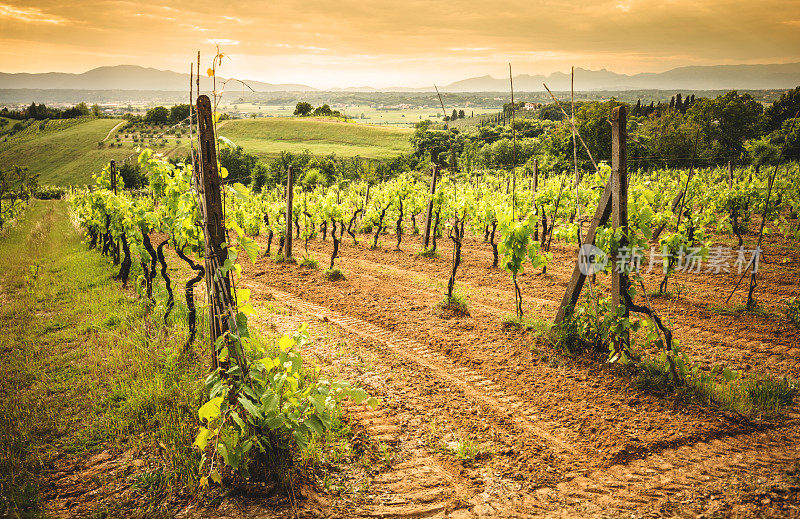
{"x":333,"y":274}
{"x":793,"y":310}
{"x":428,"y":253}
{"x":455,"y":304}
{"x":258,"y":423}
{"x":309,"y":262}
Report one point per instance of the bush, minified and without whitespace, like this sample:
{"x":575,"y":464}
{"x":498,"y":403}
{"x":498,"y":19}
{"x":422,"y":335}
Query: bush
{"x":793,"y":310}
{"x":333,"y":274}
{"x":457,"y":304}
{"x":770,"y":395}
{"x":50,"y":192}
{"x":310,"y":262}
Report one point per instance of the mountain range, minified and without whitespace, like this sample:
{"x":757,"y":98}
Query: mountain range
{"x":714,"y":77}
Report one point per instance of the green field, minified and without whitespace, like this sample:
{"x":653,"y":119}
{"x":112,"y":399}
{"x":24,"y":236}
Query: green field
{"x":267,"y":137}
{"x":67,"y":156}
{"x":66,"y":152}
{"x":399,"y":117}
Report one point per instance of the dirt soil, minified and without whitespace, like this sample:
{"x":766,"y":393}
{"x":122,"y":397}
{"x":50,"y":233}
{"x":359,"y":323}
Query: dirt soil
{"x":561,"y":436}
{"x":480,"y":421}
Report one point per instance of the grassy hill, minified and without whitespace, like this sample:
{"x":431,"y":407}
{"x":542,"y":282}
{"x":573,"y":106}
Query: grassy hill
{"x":269,"y":136}
{"x":66,"y":152}
{"x":61,"y":153}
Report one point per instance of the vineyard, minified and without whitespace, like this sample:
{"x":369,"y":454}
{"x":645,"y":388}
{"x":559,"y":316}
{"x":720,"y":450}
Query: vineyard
{"x":444,"y":342}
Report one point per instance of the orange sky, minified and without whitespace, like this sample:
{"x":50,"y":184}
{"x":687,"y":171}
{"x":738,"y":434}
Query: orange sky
{"x":400,"y":42}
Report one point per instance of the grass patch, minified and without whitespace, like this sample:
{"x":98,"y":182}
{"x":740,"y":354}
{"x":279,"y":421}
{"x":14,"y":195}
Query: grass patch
{"x":428,"y":253}
{"x":455,"y":305}
{"x":792,"y":310}
{"x":751,"y":396}
{"x":467,"y":451}
{"x":309,"y":262}
{"x":268,"y":137}
{"x":539,"y":327}
{"x":85,"y":367}
{"x":333,"y":274}
{"x":280,"y":258}
{"x":64,"y":156}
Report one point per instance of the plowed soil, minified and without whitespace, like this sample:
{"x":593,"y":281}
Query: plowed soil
{"x":556,"y":436}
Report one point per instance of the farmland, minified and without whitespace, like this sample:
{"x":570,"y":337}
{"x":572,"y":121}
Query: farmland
{"x":63,"y":156}
{"x":413,"y":343}
{"x":268,"y":137}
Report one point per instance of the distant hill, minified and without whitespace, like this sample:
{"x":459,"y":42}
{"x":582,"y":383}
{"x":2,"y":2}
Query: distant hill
{"x":127,"y":77}
{"x":716,"y":77}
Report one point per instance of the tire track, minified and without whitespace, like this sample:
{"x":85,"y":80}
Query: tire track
{"x":635,"y":485}
{"x":474,"y":386}
{"x":681,"y":331}
{"x":654,"y":479}
{"x":417,"y":485}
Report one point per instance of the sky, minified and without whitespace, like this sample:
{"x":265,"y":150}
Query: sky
{"x":398,"y":42}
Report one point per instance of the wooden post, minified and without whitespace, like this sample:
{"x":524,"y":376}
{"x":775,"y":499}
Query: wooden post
{"x":287,"y":244}
{"x":619,"y":204}
{"x":535,"y":175}
{"x":426,"y":237}
{"x":575,"y":285}
{"x":219,"y":287}
{"x":730,"y":174}
{"x":114,"y":176}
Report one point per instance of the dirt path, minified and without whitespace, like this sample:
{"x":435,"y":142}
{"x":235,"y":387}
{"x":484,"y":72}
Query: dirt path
{"x":112,"y":130}
{"x":423,"y":485}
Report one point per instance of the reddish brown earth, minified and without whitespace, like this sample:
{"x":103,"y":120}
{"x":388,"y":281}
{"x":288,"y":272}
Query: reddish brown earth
{"x":556,"y":436}
{"x":566,"y":436}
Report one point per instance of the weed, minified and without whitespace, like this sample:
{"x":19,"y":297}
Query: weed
{"x":539,"y":327}
{"x":792,"y":310}
{"x":309,"y":262}
{"x":428,"y":253}
{"x":467,"y":451}
{"x":333,"y":274}
{"x":455,"y":304}
{"x":770,"y":395}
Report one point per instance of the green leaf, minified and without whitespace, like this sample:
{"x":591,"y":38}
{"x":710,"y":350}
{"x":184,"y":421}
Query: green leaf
{"x":215,"y":477}
{"x":315,"y":425}
{"x":250,"y":247}
{"x":358,"y":395}
{"x":210,"y":410}
{"x":248,"y":406}
{"x":319,"y":402}
{"x":201,"y":441}
{"x":269,"y":403}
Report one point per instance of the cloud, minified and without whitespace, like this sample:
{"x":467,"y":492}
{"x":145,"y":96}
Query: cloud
{"x":222,"y":41}
{"x":29,"y":15}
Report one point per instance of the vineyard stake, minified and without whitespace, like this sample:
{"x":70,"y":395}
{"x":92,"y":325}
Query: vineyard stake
{"x":730,"y":174}
{"x":114,"y":176}
{"x":614,"y":200}
{"x":575,"y":284}
{"x":429,"y":211}
{"x":219,"y":288}
{"x":289,"y":201}
{"x":619,"y":186}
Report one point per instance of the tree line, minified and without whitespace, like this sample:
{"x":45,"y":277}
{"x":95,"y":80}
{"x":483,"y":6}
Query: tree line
{"x":41,"y":112}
